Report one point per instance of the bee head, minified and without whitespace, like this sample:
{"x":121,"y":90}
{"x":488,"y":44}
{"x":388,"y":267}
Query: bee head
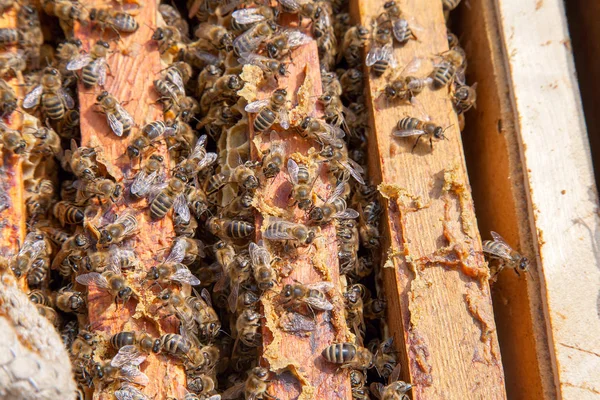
{"x":153,"y":274}
{"x":105,"y":236}
{"x":102,"y":96}
{"x":316,"y":214}
{"x":524,"y":264}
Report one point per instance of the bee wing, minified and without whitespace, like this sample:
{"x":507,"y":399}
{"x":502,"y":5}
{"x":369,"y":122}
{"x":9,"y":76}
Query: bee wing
{"x":199,"y":147}
{"x":116,"y":255}
{"x":205,"y":295}
{"x":184,"y":275}
{"x":234,"y":392}
{"x":115,"y":124}
{"x":127,"y":392}
{"x":176,"y":79}
{"x":142,"y":183}
{"x":33,"y":245}
{"x":398,"y":28}
{"x":252,"y":58}
{"x":377,"y":389}
{"x":232,"y":299}
{"x":498,"y":249}
{"x":102,"y":71}
{"x":281,"y":234}
{"x":79,"y":62}
{"x":292,"y":168}
{"x":247,"y":16}
{"x":259,"y":255}
{"x":155,"y":190}
{"x":284,"y":119}
{"x":32,"y":98}
{"x":354,"y":169}
{"x":348,"y":213}
{"x":412,"y":66}
{"x":177,"y":253}
{"x":180,"y":206}
{"x":296,"y":38}
{"x":387,"y":53}
{"x":323,"y":286}
{"x":256,"y":106}
{"x":319,"y":303}
{"x":251,"y":38}
{"x":294,"y":322}
{"x":134,"y":375}
{"x":207,"y":160}
{"x":497,"y":238}
{"x":339,"y":190}
{"x":92,"y":278}
{"x":374,"y":55}
{"x":129,"y":223}
{"x":407,"y":132}
{"x":127,"y":355}
{"x":67,"y":99}
{"x":124,"y":113}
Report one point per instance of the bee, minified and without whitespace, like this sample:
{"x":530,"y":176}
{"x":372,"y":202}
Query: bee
{"x":279,"y":229}
{"x":110,"y":281}
{"x":381,"y":55}
{"x":81,"y":161}
{"x":68,"y":213}
{"x":404,"y":86}
{"x":172,"y":17}
{"x":206,"y":317}
{"x":73,"y":249}
{"x":333,"y":208}
{"x":281,"y":44}
{"x":103,"y":189}
{"x":170,"y":195}
{"x":47,"y":141}
{"x":198,"y":159}
{"x":168,"y":89}
{"x":168,"y":39}
{"x":352,"y":83}
{"x":369,"y":224}
{"x":271,"y":67}
{"x":341,"y":162}
{"x":410,"y":126}
{"x":108,"y":373}
{"x":118,"y":118}
{"x":144,"y":341}
{"x":313,"y":295}
{"x":50,"y":94}
{"x":12,"y":140}
{"x":374,"y":309}
{"x":70,"y":301}
{"x":175,"y":345}
{"x":395,"y":390}
{"x":146,"y":176}
{"x":357,"y":383}
{"x":269,"y":110}
{"x":67,"y":127}
{"x":393,"y":16}
{"x":92,"y":64}
{"x":275,"y":157}
{"x":128,"y":392}
{"x":262,"y":265}
{"x":84,"y":345}
{"x":464,"y":97}
{"x":354,"y":311}
{"x":450,"y":67}
{"x":498,"y":249}
{"x":247,"y":327}
{"x":172,"y":269}
{"x":8,"y":99}
{"x":245,"y":18}
{"x":12,"y":63}
{"x":255,"y":386}
{"x":8,"y":37}
{"x":66,"y":11}
{"x":151,"y":132}
{"x":50,"y":314}
{"x":38,"y":296}
{"x":238,"y":271}
{"x":384,"y":359}
{"x":322,"y":131}
{"x":243,"y":174}
{"x":215,"y":37}
{"x":348,"y":355}
{"x":119,"y":22}
{"x":125,"y":225}
{"x":230,"y":228}
{"x":56,"y":235}
{"x":302,"y":188}
{"x":354,"y":39}
{"x":224,"y":88}
{"x":248,"y":41}
{"x":39,"y":271}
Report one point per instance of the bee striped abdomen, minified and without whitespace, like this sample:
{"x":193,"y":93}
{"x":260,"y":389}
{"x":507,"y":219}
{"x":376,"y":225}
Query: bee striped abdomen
{"x":264,"y":120}
{"x":160,"y":206}
{"x":239,"y":229}
{"x":53,"y":106}
{"x":442,"y":75}
{"x":339,"y":353}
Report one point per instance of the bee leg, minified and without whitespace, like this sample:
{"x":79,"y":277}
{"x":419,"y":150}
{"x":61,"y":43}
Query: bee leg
{"x":416,"y":143}
{"x":431,"y":143}
{"x":516,"y":272}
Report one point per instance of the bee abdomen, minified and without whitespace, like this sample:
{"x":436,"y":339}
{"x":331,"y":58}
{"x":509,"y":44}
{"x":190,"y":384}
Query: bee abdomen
{"x":89,"y":75}
{"x":339,"y":353}
{"x":122,"y":339}
{"x":239,"y":229}
{"x":160,"y":206}
{"x":442,"y":75}
{"x":264,"y":120}
{"x":380,"y":67}
{"x":53,"y":106}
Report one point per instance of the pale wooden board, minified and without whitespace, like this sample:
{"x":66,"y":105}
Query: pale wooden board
{"x":563,"y":199}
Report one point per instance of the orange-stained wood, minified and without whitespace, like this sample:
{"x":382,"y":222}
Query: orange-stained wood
{"x":439,"y":305}
{"x":12,"y":202}
{"x":300,"y":370}
{"x":134,"y":64}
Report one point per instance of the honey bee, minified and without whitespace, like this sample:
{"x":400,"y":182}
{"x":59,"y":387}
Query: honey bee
{"x":313,"y":295}
{"x":206,"y":317}
{"x":107,"y":373}
{"x":75,"y":246}
{"x":269,"y":110}
{"x":56,"y":235}
{"x":68,"y":126}
{"x":173,"y":17}
{"x":279,"y":229}
{"x":66,"y":11}
{"x":498,"y":249}
{"x":230,"y":228}
{"x":12,"y":63}
{"x":451,"y":66}
{"x":38,"y":296}
{"x":168,"y":39}
{"x":84,"y":345}
{"x":381,"y":55}
{"x":12,"y":140}
{"x":375,"y":309}
{"x":81,"y":161}
{"x":146,"y":176}
{"x":395,"y":390}
{"x":119,"y":22}
{"x":384,"y":359}
{"x":238,"y":272}
{"x":39,"y":271}
{"x":247,"y":327}
{"x":352,"y":83}
{"x":70,"y":301}
{"x":172,"y":269}
{"x":322,"y":131}
{"x":264,"y":273}
{"x":215,"y":37}
{"x":151,"y":132}
{"x":393,"y":16}
{"x":464,"y":97}
{"x":302,"y":187}
{"x":281,"y":44}
{"x":118,"y":118}
{"x":225,"y":88}
{"x":103,"y":189}
{"x":243,"y":19}
{"x":8,"y":99}
{"x":170,"y":196}
{"x":271,"y":67}
{"x":275,"y":157}
{"x":341,"y":162}
{"x":255,"y":386}
{"x":93,"y":65}
{"x":128,"y":392}
{"x":68,"y":213}
{"x":198,"y":159}
{"x":348,"y":355}
{"x":142,"y":340}
{"x":110,"y":281}
{"x":357,"y":383}
{"x":176,"y":304}
{"x":8,"y":37}
{"x":354,"y":311}
{"x":248,"y":41}
{"x":54,"y":100}
{"x":354,"y":39}
{"x":410,"y":126}
{"x":125,"y":225}
{"x":333,"y":208}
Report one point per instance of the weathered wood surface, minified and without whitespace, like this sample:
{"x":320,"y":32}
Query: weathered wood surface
{"x":301,"y":371}
{"x":131,"y":83}
{"x":439,"y":305}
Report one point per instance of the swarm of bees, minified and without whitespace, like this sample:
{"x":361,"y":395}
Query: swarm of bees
{"x":206,"y":183}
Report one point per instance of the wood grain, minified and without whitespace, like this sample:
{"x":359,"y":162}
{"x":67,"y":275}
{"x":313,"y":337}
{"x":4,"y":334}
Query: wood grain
{"x":439,"y":305}
{"x":562,"y":200}
{"x":301,"y":371}
{"x":131,"y":84}
{"x":12,"y":219}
